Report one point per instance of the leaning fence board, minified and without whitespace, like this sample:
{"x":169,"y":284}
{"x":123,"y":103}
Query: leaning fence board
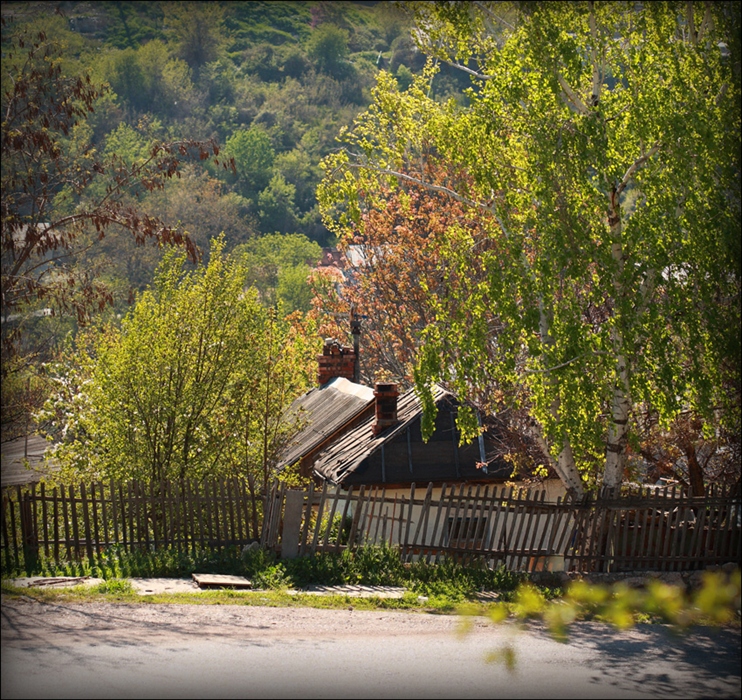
{"x":379,"y":517}
{"x":444,"y":525}
{"x":307,"y":517}
{"x":437,"y":520}
{"x":409,"y":517}
{"x":341,"y":529}
{"x":425,"y":509}
{"x":328,"y":526}
{"x":521,"y":513}
{"x":370,"y":510}
{"x":356,"y":517}
{"x":318,"y":524}
{"x":530,"y":530}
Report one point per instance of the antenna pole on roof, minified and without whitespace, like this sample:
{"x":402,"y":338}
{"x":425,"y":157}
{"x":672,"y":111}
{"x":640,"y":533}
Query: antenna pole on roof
{"x":355,"y":329}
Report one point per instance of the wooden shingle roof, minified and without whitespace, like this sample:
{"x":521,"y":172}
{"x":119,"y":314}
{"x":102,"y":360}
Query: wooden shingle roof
{"x":346,"y":454}
{"x":322,"y":412}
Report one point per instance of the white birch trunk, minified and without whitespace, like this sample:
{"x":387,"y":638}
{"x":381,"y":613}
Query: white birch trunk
{"x":564,"y":465}
{"x":615,"y":459}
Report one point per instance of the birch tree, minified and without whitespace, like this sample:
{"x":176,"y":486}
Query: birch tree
{"x":599,"y":150}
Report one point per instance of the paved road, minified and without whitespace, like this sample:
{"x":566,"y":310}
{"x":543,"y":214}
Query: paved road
{"x":63,"y":650}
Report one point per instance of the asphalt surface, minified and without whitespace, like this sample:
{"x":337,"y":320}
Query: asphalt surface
{"x":91,"y":650}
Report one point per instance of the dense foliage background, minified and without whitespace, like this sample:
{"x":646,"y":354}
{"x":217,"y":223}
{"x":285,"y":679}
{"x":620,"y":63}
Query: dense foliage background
{"x":269,"y":84}
{"x":539,"y":202}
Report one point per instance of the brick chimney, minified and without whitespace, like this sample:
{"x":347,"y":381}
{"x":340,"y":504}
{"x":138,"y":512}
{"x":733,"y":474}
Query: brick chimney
{"x":336,"y":360}
{"x":386,"y":406}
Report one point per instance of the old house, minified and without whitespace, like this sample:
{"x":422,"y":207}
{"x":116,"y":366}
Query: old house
{"x":387,"y":447}
{"x":354,"y":437}
{"x":351,"y":434}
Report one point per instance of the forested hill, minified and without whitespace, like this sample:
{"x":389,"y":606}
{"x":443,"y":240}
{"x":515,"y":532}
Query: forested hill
{"x":271,"y":82}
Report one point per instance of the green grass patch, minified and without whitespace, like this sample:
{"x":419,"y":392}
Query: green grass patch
{"x":439,"y":587}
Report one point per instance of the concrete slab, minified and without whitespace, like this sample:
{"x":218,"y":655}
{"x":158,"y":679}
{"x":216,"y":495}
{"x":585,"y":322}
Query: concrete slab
{"x":152,"y":586}
{"x":55,"y":581}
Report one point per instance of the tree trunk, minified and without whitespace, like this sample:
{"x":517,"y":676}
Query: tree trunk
{"x":564,"y":465}
{"x":695,"y":472}
{"x":615,"y":460}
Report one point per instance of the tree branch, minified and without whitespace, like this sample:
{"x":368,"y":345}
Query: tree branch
{"x":691,"y":23}
{"x":572,"y":96}
{"x":635,"y":165}
{"x":465,"y":69}
{"x":596,"y":69}
{"x":491,"y":14}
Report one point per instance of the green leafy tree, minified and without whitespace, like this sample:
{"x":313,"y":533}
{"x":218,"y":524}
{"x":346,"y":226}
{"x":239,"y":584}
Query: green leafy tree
{"x":592,"y":307}
{"x":194,"y":383}
{"x":276,"y":207}
{"x":328,"y":48}
{"x":278,"y":266}
{"x":196,"y":26}
{"x":253,"y":156}
{"x":61,"y":196}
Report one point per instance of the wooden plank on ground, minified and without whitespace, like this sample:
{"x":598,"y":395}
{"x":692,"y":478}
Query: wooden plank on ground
{"x":221,"y":581}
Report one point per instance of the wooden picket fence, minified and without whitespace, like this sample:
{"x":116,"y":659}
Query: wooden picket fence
{"x":657,"y":529}
{"x":70,"y":522}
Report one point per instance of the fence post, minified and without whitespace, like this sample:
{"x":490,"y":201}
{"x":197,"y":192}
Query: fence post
{"x":292,"y":524}
{"x":28,"y":535}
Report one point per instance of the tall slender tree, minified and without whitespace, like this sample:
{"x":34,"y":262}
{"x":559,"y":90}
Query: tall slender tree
{"x":599,"y":152}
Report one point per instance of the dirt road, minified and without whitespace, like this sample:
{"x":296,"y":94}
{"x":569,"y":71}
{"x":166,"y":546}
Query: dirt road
{"x":57,"y":650}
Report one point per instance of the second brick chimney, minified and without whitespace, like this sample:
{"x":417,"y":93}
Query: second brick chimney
{"x":336,"y":360}
{"x":386,"y":406}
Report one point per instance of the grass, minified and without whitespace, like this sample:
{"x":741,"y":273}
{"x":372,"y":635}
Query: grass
{"x":717,"y":602}
{"x":446,"y":587}
{"x":104,"y":592}
{"x":441,"y":587}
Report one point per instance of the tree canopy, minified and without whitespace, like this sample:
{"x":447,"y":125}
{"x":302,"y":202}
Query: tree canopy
{"x":193,"y":383}
{"x":599,"y":154}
